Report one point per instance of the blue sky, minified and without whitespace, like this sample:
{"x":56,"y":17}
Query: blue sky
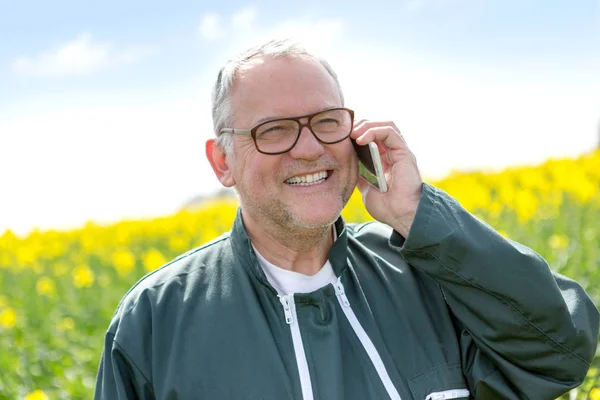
{"x":105,"y":106}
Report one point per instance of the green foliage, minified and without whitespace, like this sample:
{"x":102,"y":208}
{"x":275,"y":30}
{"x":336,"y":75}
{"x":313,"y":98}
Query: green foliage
{"x":60,"y":289}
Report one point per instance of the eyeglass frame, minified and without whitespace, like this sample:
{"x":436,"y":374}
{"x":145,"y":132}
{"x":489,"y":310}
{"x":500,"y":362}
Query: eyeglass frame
{"x":252,"y":131}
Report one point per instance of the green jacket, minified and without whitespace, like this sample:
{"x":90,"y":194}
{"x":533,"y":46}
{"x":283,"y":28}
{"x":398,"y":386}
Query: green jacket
{"x":454,"y":311}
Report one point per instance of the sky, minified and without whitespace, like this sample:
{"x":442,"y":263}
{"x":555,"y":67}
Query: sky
{"x":105,"y":106}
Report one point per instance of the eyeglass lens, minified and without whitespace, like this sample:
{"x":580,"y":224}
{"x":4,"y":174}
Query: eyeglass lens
{"x":329,"y":126}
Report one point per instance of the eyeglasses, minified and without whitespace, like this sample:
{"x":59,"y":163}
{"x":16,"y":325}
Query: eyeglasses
{"x":276,"y":136}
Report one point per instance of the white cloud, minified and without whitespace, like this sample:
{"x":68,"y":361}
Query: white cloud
{"x":210,"y":27}
{"x":245,"y":18}
{"x":318,"y":35}
{"x":244,"y":29}
{"x":131,"y":55}
{"x":79,"y":56}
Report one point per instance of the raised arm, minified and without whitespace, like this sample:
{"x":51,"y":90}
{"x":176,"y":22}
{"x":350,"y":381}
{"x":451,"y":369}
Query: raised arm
{"x":524,"y":331}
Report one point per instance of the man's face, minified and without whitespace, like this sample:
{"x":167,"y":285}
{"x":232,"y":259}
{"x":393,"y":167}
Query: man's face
{"x":279,"y":88}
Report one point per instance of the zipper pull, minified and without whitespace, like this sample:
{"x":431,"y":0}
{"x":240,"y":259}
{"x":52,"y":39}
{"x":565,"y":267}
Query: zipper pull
{"x":448,"y":394}
{"x":339,"y":291}
{"x":287,"y":302}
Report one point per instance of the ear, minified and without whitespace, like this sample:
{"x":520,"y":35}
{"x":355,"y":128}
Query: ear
{"x":218,"y":161}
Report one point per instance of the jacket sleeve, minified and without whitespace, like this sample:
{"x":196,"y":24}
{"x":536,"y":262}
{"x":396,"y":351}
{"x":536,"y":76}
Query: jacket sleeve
{"x":524,"y":331}
{"x":118,"y":376}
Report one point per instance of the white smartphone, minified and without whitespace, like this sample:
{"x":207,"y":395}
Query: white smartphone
{"x":369,"y":165}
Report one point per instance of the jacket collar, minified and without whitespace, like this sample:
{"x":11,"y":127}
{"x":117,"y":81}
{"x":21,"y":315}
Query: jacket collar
{"x":244,"y":252}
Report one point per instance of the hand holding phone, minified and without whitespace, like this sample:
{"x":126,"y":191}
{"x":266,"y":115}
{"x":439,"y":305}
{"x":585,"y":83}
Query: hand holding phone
{"x":369,"y":165}
{"x":402,"y":175}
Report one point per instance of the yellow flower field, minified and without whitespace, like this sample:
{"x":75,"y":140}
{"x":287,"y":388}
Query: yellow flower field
{"x":60,"y":289}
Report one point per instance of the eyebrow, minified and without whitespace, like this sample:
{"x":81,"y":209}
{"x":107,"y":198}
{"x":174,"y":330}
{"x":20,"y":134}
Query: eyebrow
{"x":264,"y":119}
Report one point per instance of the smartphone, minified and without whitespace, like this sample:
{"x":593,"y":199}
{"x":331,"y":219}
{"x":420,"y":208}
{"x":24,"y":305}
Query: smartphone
{"x":369,"y":165}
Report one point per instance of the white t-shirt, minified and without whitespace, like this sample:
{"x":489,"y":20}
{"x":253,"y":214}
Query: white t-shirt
{"x":287,"y":282}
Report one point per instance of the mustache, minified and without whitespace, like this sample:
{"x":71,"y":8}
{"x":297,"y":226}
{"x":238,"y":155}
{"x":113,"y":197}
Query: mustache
{"x":302,"y":167}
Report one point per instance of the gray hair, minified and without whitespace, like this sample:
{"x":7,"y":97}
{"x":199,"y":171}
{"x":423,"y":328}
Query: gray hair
{"x":222,"y":110}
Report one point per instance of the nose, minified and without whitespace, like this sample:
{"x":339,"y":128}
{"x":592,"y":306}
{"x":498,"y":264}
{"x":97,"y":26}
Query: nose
{"x":307,"y":147}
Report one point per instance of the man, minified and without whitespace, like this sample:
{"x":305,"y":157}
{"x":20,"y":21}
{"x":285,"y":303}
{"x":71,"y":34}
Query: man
{"x":427,"y":303}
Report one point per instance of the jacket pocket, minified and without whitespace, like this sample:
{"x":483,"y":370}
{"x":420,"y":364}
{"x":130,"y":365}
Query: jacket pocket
{"x":440,"y":383}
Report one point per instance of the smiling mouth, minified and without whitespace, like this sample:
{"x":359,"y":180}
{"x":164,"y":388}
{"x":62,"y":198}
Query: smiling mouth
{"x":309,"y":180}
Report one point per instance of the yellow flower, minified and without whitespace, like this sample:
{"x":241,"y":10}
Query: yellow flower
{"x":65,"y":324}
{"x":26,"y":255}
{"x":123,"y":261}
{"x":153,"y":259}
{"x":88,"y":238}
{"x":122,"y":234}
{"x":595,"y":394}
{"x":8,"y":318}
{"x":55,"y":246}
{"x":36,"y":395}
{"x":45,"y":286}
{"x":5,"y":259}
{"x":495,"y":208}
{"x":355,"y":210}
{"x":557,"y":241}
{"x":526,"y":204}
{"x":83,"y":276}
{"x":178,"y":243}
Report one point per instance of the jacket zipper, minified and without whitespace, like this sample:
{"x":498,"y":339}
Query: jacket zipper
{"x":365,"y":341}
{"x":289,"y":309}
{"x":448,"y":394}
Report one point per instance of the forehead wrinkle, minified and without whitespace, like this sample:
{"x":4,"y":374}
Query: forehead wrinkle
{"x":246,"y":83}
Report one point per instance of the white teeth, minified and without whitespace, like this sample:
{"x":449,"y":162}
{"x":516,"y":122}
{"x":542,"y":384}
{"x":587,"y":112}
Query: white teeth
{"x":308,"y":180}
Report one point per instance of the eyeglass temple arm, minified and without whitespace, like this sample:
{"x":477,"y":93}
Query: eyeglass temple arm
{"x":236,"y":131}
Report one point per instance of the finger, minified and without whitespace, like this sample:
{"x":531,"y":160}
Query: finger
{"x":366,"y":124}
{"x":388,"y":136}
{"x":355,"y":132}
{"x":358,"y":122}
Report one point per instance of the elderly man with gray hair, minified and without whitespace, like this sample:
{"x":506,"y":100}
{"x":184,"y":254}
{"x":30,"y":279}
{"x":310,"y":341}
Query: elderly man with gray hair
{"x":427,"y":302}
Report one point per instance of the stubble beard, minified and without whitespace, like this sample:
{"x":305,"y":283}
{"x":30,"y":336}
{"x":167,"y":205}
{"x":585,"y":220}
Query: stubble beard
{"x":278,"y":217}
